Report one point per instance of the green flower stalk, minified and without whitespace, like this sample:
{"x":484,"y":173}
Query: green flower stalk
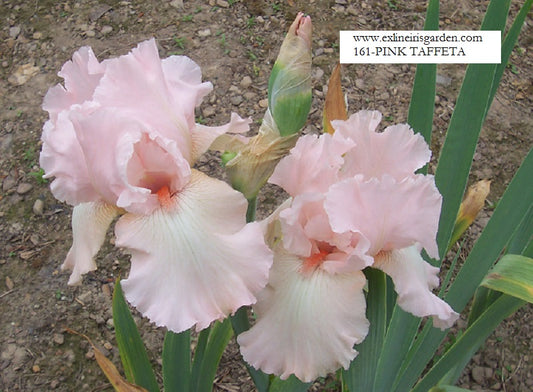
{"x":250,"y":163}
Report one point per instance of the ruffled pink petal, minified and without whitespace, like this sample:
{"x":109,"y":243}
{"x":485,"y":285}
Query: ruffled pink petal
{"x":390,"y":214}
{"x":194,"y":260}
{"x":306,"y":231}
{"x":307,"y":324}
{"x":81,"y":76}
{"x":89,"y":226}
{"x":396,"y":152}
{"x":312,"y":165}
{"x":363,"y":122}
{"x":133,"y":163}
{"x":203,"y":136}
{"x":413,"y":280}
{"x":62,"y":157}
{"x":161,"y":94}
{"x":303,"y":223}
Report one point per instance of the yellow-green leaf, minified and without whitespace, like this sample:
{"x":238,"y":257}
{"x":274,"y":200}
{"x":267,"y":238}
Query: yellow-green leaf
{"x":512,"y":275}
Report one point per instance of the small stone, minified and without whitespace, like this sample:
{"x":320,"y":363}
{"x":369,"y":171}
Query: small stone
{"x":249,"y":95}
{"x":478,"y":374}
{"x":236,"y":100}
{"x":208,"y":111}
{"x":58,"y":339}
{"x":24,"y":188}
{"x":204,"y":33}
{"x":35,"y":369}
{"x":8,"y":183}
{"x":38,"y":207}
{"x":90,"y":33}
{"x":384,"y":96}
{"x":108,"y":346}
{"x":14,"y":32}
{"x":260,"y":19}
{"x":444,"y":80}
{"x":37,"y":35}
{"x":246,"y":82}
{"x":19,"y":358}
{"x":106,"y":29}
{"x":263,"y":103}
{"x":34,"y":238}
{"x":107,"y":292}
{"x":110,"y":323}
{"x":22,"y":74}
{"x":223,"y":3}
{"x":177,"y":3}
{"x":360,"y":84}
{"x":9,"y":283}
{"x":54,"y":384}
{"x":318,"y":73}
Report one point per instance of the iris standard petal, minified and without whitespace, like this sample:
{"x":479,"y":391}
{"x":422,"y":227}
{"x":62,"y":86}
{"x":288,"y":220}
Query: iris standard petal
{"x":390,"y":214}
{"x":312,"y":165}
{"x":82,"y":74}
{"x":397,"y":151}
{"x":162,"y":94}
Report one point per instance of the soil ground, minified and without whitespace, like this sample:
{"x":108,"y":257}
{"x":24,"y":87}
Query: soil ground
{"x":235,"y":43}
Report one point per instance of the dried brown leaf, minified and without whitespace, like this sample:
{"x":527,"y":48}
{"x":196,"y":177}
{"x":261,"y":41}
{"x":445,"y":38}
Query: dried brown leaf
{"x":111,"y":372}
{"x":334,"y":107}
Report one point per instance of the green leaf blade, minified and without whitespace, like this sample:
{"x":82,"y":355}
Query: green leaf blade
{"x":422,"y":105}
{"x":291,"y":384}
{"x":402,"y":326}
{"x":508,"y":215}
{"x":132,"y":352}
{"x":177,"y":361}
{"x":463,"y":132}
{"x":219,"y":338}
{"x":466,"y":346}
{"x":362,"y":371}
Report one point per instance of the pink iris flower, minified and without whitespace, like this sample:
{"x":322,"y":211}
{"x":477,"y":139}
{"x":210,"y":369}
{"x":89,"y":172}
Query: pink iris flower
{"x":355,"y":202}
{"x":122,"y":140}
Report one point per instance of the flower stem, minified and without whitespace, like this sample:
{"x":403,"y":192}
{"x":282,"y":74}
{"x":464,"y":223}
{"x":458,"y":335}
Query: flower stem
{"x":250,"y":212}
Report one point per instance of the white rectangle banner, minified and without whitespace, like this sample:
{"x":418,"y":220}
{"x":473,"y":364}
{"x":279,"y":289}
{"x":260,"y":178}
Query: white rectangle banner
{"x":414,"y":47}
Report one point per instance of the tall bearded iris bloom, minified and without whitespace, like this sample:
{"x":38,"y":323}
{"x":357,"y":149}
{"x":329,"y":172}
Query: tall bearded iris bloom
{"x":122,"y":140}
{"x":355,"y":202}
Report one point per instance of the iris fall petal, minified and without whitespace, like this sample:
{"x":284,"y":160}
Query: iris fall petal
{"x":307,"y":323}
{"x":90,"y":222}
{"x":413,"y":280}
{"x":194,"y":260}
